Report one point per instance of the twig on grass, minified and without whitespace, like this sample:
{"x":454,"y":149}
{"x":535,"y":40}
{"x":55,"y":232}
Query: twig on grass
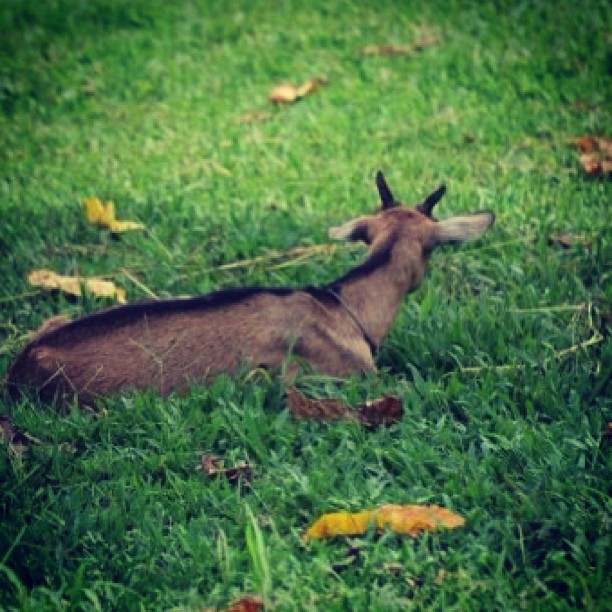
{"x":297,"y":252}
{"x":138,"y":283}
{"x":158,"y":242}
{"x":559,"y":308}
{"x":595,"y":338}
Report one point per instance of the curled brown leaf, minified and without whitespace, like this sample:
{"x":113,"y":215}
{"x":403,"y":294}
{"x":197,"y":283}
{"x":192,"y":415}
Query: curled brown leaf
{"x":246,"y":603}
{"x":17,"y":441}
{"x":383,"y":411}
{"x":595,"y":155}
{"x":212,"y":467}
{"x":302,"y":407}
{"x":567,"y":241}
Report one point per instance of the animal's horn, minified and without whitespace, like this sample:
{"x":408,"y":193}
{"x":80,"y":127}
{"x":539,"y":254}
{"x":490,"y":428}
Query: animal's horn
{"x":431,"y":200}
{"x":386,"y":197}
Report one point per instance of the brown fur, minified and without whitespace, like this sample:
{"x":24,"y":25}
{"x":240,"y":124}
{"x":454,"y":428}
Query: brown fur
{"x":165,"y":345}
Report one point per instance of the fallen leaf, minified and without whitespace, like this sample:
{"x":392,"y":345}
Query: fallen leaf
{"x":586,"y":144}
{"x":590,"y":144}
{"x":404,"y":520}
{"x":387,"y":49}
{"x":17,"y":441}
{"x":288,"y":93}
{"x":73,"y":285}
{"x":211,"y":466}
{"x":383,"y":411}
{"x":595,"y":155}
{"x":255,"y":117}
{"x":302,"y":407}
{"x":594,"y":166}
{"x":99,"y":213}
{"x":567,"y":241}
{"x":427,"y":38}
{"x":246,"y":603}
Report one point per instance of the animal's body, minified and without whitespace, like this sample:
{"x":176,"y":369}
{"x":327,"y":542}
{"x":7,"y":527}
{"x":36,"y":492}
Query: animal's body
{"x":167,"y":344}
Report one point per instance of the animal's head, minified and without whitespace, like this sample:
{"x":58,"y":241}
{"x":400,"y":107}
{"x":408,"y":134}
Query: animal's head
{"x":412,"y":226}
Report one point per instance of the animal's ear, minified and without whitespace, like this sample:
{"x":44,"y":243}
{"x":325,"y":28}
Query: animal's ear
{"x":426,"y":206}
{"x":386,"y":197}
{"x":458,"y":229}
{"x":354,"y":230}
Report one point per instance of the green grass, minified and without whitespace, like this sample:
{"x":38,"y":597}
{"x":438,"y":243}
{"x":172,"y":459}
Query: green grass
{"x":139,"y":102}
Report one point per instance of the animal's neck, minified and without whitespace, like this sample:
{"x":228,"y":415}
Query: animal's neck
{"x":373,"y":293}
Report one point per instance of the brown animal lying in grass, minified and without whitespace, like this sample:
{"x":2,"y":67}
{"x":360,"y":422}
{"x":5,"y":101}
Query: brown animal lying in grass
{"x":164,"y":345}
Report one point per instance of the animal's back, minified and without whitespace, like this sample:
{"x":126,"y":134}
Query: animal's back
{"x":162,"y":345}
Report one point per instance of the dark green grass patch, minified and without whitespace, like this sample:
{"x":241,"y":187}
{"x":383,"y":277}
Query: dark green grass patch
{"x":502,"y":358}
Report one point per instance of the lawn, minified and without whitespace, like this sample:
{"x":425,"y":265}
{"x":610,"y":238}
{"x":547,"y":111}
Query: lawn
{"x":502,"y":358}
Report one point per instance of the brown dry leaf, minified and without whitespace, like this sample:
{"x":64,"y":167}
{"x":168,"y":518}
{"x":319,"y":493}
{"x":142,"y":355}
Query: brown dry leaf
{"x":387,"y":50}
{"x":211,"y":466}
{"x":591,"y":144}
{"x":586,"y":144}
{"x":567,"y":241}
{"x":246,"y":603}
{"x":302,"y":407}
{"x":594,"y":166}
{"x":255,"y":117}
{"x":383,"y":411}
{"x":595,"y":155}
{"x":427,"y":38}
{"x":407,"y":520}
{"x":288,"y":93}
{"x":73,"y":285}
{"x":103,"y":214}
{"x":17,"y":441}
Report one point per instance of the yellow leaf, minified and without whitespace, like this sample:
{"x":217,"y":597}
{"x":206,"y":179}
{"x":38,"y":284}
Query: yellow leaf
{"x":405,"y":520}
{"x":73,"y":285}
{"x":412,"y":519}
{"x":340,"y":523}
{"x":99,"y":213}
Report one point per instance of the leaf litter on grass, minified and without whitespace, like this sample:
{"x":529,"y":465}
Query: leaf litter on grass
{"x":384,"y":411}
{"x":568,"y":240}
{"x":246,"y":603}
{"x":407,"y":520}
{"x":288,"y":93}
{"x":103,"y":214}
{"x":17,"y":441}
{"x":74,"y":285}
{"x":425,"y":38}
{"x":211,"y":466}
{"x":595,"y":155}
